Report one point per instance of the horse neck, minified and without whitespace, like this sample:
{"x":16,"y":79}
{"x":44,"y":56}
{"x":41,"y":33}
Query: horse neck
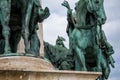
{"x":81,"y":13}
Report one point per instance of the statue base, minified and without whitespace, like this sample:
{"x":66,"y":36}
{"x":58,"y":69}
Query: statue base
{"x":17,"y":54}
{"x":30,"y":68}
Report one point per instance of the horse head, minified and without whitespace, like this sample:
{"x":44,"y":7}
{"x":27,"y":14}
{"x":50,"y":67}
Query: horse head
{"x":96,"y":6}
{"x":100,"y":13}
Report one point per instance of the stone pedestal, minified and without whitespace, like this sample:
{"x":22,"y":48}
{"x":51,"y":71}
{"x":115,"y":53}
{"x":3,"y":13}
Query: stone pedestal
{"x":29,"y":68}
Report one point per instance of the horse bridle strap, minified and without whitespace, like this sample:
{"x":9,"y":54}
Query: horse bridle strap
{"x":86,"y":27}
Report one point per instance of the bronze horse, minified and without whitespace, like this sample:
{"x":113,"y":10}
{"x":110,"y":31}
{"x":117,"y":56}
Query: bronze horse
{"x":94,"y":15}
{"x":83,"y":34}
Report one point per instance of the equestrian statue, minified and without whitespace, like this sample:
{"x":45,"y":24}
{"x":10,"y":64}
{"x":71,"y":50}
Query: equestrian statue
{"x":87,"y":40}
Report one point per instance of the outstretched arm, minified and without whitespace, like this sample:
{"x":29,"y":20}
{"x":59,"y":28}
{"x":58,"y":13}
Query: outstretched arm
{"x":70,"y":20}
{"x":69,"y":10}
{"x":66,"y":4}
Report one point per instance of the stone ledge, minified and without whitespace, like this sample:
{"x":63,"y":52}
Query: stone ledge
{"x":48,"y":75}
{"x":30,"y":68}
{"x":23,"y":63}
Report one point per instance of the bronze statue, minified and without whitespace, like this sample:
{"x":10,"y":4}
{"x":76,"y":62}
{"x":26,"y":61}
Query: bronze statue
{"x":89,"y":48}
{"x":20,"y":18}
{"x":4,"y":20}
{"x":87,"y":39}
{"x":82,"y":38}
{"x":59,"y":55}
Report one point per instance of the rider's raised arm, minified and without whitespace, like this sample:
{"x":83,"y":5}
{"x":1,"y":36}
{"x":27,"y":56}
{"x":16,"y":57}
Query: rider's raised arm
{"x":69,"y":10}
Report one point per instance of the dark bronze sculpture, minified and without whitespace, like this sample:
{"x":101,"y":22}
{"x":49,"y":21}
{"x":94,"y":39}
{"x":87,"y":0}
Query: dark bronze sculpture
{"x":87,"y":39}
{"x":89,"y":48}
{"x":82,"y":40}
{"x":59,"y":55}
{"x":20,"y":18}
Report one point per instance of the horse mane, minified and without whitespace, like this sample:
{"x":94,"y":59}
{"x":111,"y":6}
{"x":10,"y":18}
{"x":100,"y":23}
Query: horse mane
{"x":79,"y":4}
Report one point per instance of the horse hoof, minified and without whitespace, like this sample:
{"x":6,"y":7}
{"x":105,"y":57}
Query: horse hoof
{"x":98,"y":70}
{"x":7,"y":52}
{"x":30,"y":53}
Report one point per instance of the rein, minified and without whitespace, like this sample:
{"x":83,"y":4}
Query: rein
{"x":87,"y":27}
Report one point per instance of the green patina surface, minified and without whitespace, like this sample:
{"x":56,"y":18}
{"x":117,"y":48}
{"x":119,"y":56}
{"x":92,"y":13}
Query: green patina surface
{"x":19,"y":18}
{"x":88,"y":50}
{"x":87,"y":40}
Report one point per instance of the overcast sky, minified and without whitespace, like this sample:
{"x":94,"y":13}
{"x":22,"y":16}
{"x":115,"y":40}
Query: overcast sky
{"x":56,"y":25}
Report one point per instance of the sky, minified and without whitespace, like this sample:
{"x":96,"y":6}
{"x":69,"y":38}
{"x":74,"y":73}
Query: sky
{"x":56,"y":25}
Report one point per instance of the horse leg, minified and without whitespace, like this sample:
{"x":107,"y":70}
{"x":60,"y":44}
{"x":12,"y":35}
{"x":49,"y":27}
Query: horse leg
{"x":34,"y":40}
{"x":80,"y":60}
{"x":35,"y":44}
{"x":2,"y":42}
{"x":14,"y":40}
{"x":26,"y":13}
{"x":25,"y":34}
{"x":5,"y":16}
{"x":98,"y":53}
